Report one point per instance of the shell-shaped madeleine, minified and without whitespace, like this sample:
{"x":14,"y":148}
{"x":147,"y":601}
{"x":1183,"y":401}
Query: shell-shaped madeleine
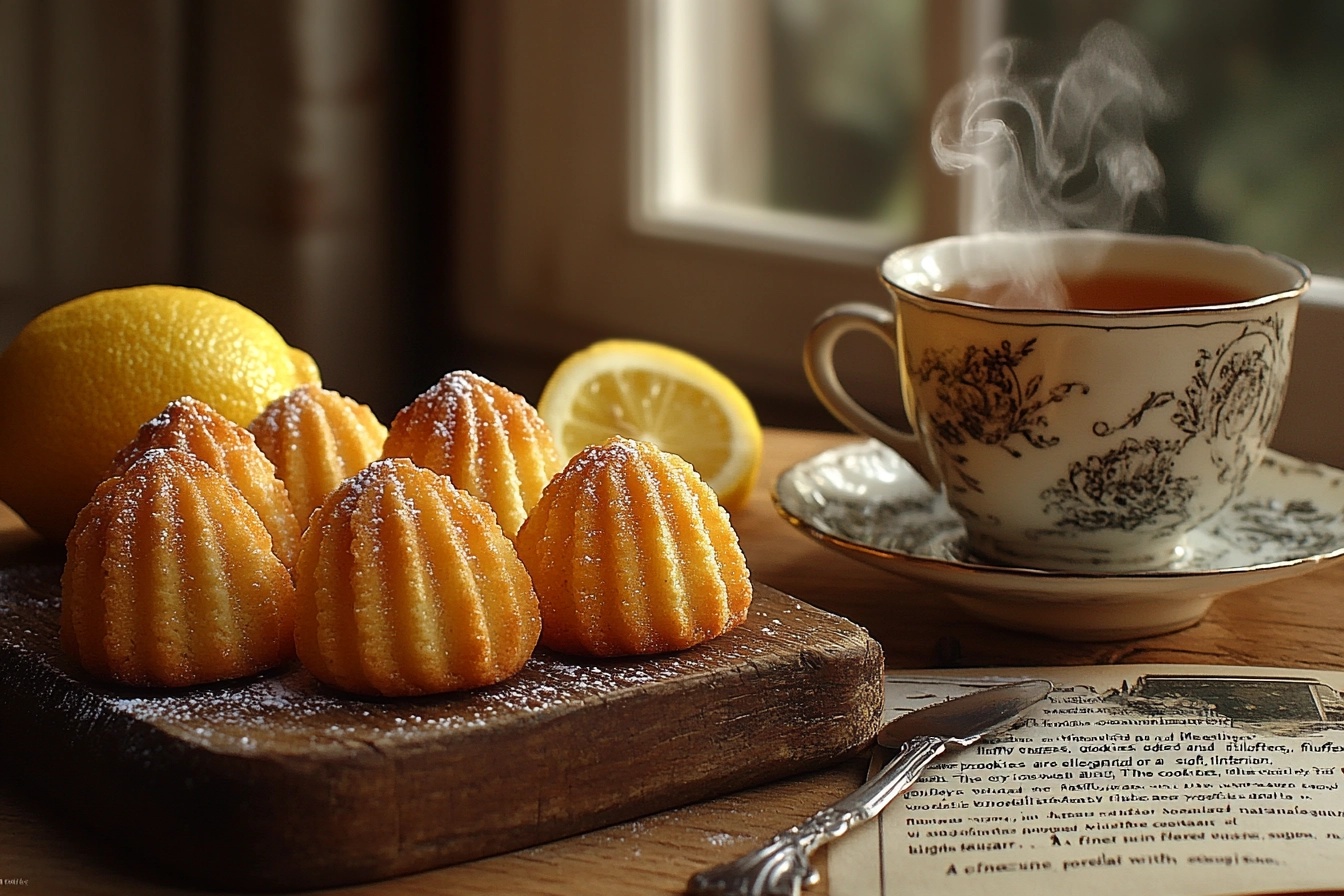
{"x":631,"y":553}
{"x":195,"y":427}
{"x":317,"y":439}
{"x":486,"y":439}
{"x":407,"y":585}
{"x":170,"y":579}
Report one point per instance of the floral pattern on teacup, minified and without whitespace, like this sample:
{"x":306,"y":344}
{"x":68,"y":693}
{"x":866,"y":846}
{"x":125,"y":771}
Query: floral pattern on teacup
{"x":1232,"y":394}
{"x":984,"y":396}
{"x":1134,"y":485}
{"x":981,"y":398}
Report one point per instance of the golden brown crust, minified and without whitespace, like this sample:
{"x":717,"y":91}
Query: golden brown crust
{"x":631,"y":553}
{"x":486,"y":439}
{"x":193,"y":426}
{"x":407,"y":585}
{"x":170,"y":579}
{"x":317,"y":438}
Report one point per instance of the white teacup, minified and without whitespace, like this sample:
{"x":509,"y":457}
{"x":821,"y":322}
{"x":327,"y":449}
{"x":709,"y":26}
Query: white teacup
{"x":1077,"y":438}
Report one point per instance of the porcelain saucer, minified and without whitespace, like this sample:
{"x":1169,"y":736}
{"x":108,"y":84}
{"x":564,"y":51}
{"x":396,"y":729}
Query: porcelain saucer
{"x":864,"y":500}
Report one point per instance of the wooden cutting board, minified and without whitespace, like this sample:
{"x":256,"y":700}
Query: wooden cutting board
{"x":277,"y":782}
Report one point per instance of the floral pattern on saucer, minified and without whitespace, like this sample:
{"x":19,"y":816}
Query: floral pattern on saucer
{"x":864,"y":500}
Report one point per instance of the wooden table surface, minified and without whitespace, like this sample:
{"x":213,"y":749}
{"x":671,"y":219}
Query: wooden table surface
{"x":1296,"y":623}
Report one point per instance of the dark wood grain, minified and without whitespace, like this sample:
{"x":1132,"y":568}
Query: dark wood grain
{"x":278,"y":782}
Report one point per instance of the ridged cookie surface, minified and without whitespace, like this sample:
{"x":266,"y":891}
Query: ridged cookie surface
{"x":486,"y":439}
{"x":407,"y":585}
{"x":195,"y":427}
{"x":631,"y":553}
{"x":317,"y":438}
{"x":170,"y":579}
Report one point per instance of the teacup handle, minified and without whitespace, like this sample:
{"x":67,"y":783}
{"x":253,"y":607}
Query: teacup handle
{"x":819,"y":365}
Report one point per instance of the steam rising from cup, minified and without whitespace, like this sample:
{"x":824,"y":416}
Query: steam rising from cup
{"x":1054,"y":153}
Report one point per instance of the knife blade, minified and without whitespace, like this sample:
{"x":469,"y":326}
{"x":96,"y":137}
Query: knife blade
{"x":782,"y":866}
{"x":964,"y":720}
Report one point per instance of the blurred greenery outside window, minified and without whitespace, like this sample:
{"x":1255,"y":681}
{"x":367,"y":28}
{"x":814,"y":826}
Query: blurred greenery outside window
{"x":833,"y":122}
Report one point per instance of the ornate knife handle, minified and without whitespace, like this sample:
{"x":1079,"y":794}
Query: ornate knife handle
{"x":782,"y":866}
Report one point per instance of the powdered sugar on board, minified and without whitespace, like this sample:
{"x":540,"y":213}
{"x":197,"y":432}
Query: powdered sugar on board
{"x":287,"y":711}
{"x":319,"y":789}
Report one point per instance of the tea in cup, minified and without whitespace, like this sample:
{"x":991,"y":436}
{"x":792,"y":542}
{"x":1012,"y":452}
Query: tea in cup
{"x":1085,"y":399}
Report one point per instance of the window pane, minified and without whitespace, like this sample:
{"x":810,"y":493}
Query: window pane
{"x":846,"y":97}
{"x":821,"y":108}
{"x":799,"y":121}
{"x":1255,"y":148}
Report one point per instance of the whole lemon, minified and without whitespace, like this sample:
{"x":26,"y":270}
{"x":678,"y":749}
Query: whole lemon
{"x":80,"y":379}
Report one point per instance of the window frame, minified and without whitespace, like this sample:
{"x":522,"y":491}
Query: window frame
{"x":545,"y":255}
{"x":556,"y":240}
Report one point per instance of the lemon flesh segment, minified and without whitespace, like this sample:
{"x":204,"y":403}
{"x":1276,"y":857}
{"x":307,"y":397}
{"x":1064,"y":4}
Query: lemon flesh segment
{"x":644,"y":404}
{"x":658,"y":394}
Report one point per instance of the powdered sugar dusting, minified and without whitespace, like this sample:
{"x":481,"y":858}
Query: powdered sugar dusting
{"x":283,"y":743}
{"x":283,"y":417}
{"x":288,"y":712}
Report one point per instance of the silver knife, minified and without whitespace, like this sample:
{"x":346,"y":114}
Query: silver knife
{"x":782,"y":866}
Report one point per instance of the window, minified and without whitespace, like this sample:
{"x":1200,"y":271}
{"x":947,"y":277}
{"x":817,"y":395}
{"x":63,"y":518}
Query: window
{"x":788,"y":126}
{"x":807,"y":121}
{"x":715,"y":175}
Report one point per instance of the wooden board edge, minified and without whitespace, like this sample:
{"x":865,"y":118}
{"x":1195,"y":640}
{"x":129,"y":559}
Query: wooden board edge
{"x":273,"y":812}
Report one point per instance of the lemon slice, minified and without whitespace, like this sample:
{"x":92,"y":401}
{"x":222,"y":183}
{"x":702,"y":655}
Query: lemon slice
{"x":659,"y":394}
